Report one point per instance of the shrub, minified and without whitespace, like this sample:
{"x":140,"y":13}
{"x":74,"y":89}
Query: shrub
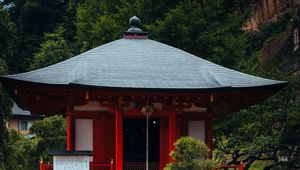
{"x":189,"y":154}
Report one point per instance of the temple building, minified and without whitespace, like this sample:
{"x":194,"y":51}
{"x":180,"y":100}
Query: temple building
{"x":21,"y":121}
{"x":130,"y":99}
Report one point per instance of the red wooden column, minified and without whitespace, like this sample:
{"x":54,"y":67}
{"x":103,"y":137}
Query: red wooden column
{"x":172,"y":131}
{"x":69,"y":120}
{"x":119,"y":138}
{"x":209,"y":132}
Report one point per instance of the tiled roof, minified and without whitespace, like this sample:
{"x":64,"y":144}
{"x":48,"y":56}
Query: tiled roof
{"x":18,"y":111}
{"x":142,"y":64}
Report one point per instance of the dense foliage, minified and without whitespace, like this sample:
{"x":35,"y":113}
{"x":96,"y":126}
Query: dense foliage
{"x":54,"y":49}
{"x":38,"y":33}
{"x":189,"y":154}
{"x":24,"y":153}
{"x":6,"y":41}
{"x":45,"y":140}
{"x":261,"y":132}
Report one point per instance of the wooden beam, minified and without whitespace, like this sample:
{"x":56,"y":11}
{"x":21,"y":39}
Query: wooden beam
{"x":88,"y":114}
{"x":138,"y":113}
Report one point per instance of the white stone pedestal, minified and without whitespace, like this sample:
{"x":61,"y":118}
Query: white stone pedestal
{"x":73,"y":160}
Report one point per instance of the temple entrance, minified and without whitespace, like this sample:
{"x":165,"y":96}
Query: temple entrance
{"x":134,"y":136}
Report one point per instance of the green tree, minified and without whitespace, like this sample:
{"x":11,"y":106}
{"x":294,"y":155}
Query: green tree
{"x":53,"y":50}
{"x":69,"y":21}
{"x":147,"y":10}
{"x":94,"y":26}
{"x":7,"y":157}
{"x":22,"y":153}
{"x":37,"y":17}
{"x":289,"y":148}
{"x":7,"y":35}
{"x":189,"y":154}
{"x":259,"y":132}
{"x":209,"y":29}
{"x":99,"y":22}
{"x":6,"y":38}
{"x":32,"y":19}
{"x":50,"y":134}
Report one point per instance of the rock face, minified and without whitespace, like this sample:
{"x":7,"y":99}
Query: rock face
{"x":271,"y":49}
{"x":268,"y":10}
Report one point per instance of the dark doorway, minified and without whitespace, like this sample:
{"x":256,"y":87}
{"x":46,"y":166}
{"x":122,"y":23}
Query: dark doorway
{"x":134,"y":137}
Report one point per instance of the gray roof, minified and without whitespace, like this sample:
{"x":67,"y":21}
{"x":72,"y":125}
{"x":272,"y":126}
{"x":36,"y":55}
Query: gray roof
{"x":16,"y":110}
{"x":141,"y":63}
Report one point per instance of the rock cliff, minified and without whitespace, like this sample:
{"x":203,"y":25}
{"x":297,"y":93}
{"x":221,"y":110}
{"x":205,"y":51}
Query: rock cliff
{"x":265,"y":11}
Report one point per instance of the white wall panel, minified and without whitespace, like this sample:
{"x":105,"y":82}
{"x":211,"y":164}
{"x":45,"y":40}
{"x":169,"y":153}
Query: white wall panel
{"x":84,"y":134}
{"x":196,"y":129}
{"x":69,"y":162}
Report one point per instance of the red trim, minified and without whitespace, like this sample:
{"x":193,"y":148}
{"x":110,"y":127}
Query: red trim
{"x":135,"y":36}
{"x":69,"y":131}
{"x":209,"y":133}
{"x":119,"y":139}
{"x":88,"y":114}
{"x":93,"y":165}
{"x":138,"y":113}
{"x":172,"y":132}
{"x":126,"y":113}
{"x":132,"y":113}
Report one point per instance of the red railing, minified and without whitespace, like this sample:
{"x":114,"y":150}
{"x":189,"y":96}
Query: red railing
{"x":96,"y":166}
{"x":93,"y":166}
{"x":46,"y":166}
{"x":235,"y":167}
{"x":140,"y":165}
{"x":134,"y":165}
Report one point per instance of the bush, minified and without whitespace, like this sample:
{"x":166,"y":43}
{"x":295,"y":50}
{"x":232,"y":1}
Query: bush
{"x":189,"y":154}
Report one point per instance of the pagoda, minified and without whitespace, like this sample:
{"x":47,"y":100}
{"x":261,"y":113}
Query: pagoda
{"x":130,"y":99}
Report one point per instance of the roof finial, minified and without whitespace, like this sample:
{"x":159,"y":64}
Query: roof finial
{"x":134,"y":24}
{"x":134,"y":21}
{"x":134,"y":32}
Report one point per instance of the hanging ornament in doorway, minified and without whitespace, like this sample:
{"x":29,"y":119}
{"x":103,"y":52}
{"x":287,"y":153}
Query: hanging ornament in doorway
{"x":147,"y":109}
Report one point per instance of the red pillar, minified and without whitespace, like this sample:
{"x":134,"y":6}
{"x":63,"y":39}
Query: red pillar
{"x":241,"y":166}
{"x":172,"y":132}
{"x":209,"y":133}
{"x":69,"y":131}
{"x":41,"y":164}
{"x":119,"y":139}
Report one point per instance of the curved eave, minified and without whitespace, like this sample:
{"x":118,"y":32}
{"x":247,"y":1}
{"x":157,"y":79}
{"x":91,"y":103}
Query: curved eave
{"x":268,"y":90}
{"x":208,"y":90}
{"x":279,"y":86}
